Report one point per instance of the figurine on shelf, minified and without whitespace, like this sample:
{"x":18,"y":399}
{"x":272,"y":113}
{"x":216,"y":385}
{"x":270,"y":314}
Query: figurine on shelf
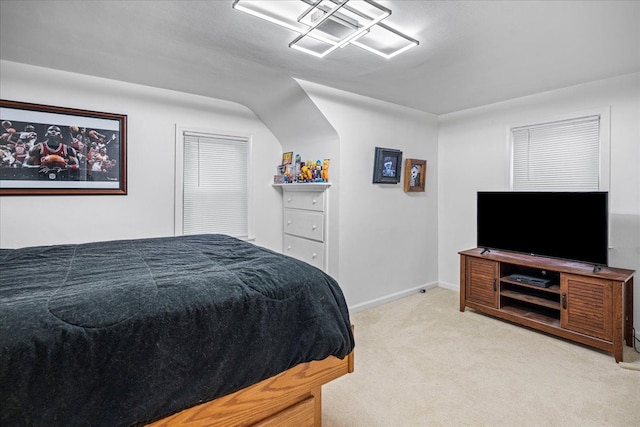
{"x":325,"y":170}
{"x":287,"y":173}
{"x":298,"y":168}
{"x":308,"y":176}
{"x":304,"y":169}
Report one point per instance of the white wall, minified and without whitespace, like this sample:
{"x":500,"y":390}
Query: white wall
{"x":390,"y":242}
{"x":391,"y":239}
{"x":473,"y":156}
{"x":388,"y":238}
{"x":148,"y":209}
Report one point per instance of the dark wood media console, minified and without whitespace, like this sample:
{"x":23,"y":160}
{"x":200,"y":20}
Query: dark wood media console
{"x":586,"y":305}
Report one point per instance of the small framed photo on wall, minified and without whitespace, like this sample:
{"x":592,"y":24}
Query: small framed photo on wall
{"x":287,"y":157}
{"x":387,"y":166}
{"x":415,"y":172}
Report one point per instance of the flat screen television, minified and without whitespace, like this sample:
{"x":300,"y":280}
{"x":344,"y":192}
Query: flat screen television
{"x":566,"y":225}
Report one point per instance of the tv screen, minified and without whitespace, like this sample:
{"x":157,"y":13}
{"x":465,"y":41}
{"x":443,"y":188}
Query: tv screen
{"x":566,"y":225}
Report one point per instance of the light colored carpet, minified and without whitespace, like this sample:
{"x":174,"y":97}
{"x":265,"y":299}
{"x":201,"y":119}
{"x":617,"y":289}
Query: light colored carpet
{"x":419,"y":361}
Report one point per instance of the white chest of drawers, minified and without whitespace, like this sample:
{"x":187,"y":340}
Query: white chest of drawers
{"x":305,"y":222}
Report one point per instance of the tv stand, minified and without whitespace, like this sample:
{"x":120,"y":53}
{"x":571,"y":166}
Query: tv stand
{"x":577,"y":301}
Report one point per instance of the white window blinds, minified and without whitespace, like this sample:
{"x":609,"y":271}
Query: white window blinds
{"x":215,"y":184}
{"x":557,"y":156}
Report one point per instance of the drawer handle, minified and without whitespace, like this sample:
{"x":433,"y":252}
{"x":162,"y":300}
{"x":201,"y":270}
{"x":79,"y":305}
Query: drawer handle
{"x":315,"y":201}
{"x":314,"y":255}
{"x":313,"y":227}
{"x":289,"y":247}
{"x":289,"y":222}
{"x":289,"y":200}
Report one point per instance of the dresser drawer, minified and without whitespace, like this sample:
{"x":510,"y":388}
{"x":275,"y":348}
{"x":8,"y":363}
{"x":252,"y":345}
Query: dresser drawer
{"x":306,"y":250}
{"x":311,"y":200}
{"x":304,"y":223}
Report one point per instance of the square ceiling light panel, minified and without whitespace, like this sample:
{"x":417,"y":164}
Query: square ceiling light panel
{"x":335,"y":24}
{"x":385,"y":41}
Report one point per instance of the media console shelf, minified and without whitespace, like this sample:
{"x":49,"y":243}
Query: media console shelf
{"x":568,"y":299}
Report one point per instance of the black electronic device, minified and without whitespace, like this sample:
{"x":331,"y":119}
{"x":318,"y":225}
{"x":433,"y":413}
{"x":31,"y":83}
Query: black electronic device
{"x":530,"y":280}
{"x":566,"y":225}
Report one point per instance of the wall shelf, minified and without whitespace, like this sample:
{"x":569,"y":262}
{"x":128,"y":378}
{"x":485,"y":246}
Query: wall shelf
{"x":304,"y":186}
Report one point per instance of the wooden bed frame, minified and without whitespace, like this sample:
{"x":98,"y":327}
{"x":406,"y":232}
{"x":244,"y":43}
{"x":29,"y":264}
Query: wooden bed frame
{"x":290,"y":399}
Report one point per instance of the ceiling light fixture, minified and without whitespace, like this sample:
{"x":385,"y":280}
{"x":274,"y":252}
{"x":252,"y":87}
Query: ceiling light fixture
{"x":325,"y":25}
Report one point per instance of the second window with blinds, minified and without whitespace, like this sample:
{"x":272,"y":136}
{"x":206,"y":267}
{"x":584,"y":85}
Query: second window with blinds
{"x":565,"y":155}
{"x":213,"y":175}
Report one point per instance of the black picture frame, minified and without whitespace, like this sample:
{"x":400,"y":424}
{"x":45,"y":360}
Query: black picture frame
{"x":50,"y":150}
{"x":387,"y":166}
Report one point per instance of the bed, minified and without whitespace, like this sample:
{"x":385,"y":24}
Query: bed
{"x":190,"y":330}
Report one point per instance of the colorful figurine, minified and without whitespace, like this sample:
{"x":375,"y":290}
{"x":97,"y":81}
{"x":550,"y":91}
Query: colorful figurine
{"x":308,"y":176}
{"x":325,"y":170}
{"x":298,"y":170}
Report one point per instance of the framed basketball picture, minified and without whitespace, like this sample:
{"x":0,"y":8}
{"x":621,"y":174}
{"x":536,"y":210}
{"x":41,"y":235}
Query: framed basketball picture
{"x":48,"y":150}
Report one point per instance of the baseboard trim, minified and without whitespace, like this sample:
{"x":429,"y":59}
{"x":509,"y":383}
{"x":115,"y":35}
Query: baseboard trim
{"x":388,"y":298}
{"x":450,"y":286}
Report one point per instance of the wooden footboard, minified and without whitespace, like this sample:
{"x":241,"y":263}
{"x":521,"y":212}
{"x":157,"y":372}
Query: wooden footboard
{"x":292,"y":398}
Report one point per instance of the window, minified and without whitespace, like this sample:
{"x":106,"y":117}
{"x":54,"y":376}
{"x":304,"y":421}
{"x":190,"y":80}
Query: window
{"x":213,"y":184}
{"x":566,"y":155}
